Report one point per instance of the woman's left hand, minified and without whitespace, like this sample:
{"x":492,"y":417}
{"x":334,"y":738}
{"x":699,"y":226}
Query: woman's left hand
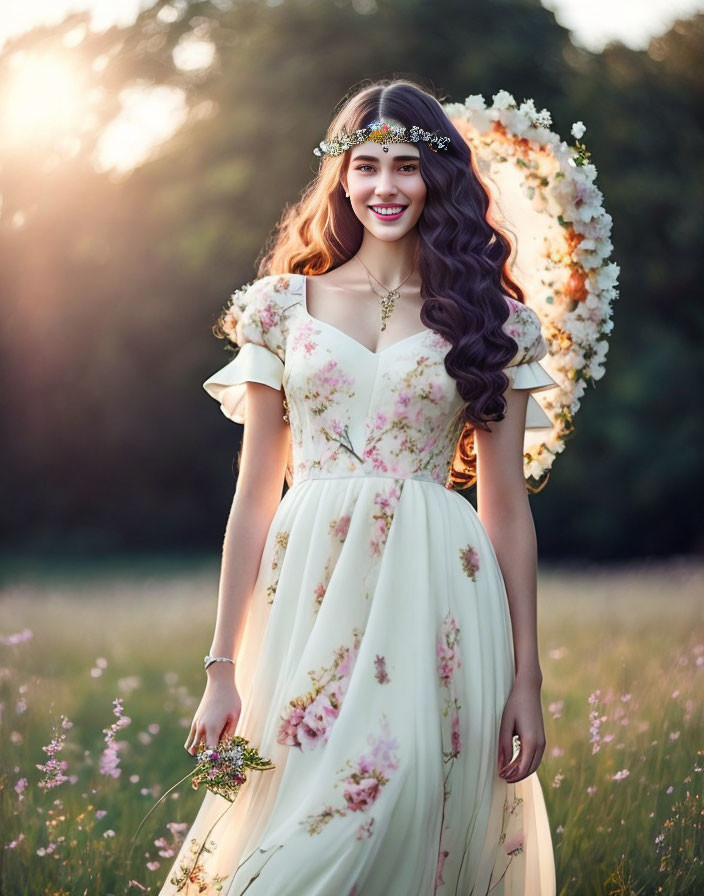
{"x":523,"y":715}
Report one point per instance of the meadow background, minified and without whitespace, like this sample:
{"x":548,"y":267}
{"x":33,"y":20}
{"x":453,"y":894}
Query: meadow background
{"x":623,"y":662}
{"x":141,"y":170}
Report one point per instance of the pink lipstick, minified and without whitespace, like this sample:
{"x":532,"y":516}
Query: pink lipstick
{"x":387,"y":217}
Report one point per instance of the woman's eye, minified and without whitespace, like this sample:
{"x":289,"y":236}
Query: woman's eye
{"x":409,"y":166}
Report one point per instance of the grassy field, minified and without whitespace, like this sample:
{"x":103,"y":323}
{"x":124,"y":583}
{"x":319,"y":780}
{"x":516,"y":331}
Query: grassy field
{"x":623,"y":662}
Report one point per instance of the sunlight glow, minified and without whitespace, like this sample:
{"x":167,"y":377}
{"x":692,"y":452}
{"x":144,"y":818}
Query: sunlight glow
{"x":633,"y":22}
{"x":43,"y":99}
{"x":149,"y":117}
{"x":47,"y":104}
{"x":193,"y":53}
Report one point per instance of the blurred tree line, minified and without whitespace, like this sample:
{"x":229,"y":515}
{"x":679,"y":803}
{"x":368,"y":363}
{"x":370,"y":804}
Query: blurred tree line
{"x":110,"y":286}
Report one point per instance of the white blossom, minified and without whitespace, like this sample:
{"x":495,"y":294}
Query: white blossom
{"x":520,"y":125}
{"x":582,"y":323}
{"x":475,"y":101}
{"x":535,"y":469}
{"x":528,"y":109}
{"x":482,"y":120}
{"x":503,"y":100}
{"x":543,"y":119}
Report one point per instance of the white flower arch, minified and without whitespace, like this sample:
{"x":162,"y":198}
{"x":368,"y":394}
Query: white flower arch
{"x":544,"y":194}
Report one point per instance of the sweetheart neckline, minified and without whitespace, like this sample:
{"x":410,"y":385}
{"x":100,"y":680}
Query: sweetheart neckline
{"x":347,"y":336}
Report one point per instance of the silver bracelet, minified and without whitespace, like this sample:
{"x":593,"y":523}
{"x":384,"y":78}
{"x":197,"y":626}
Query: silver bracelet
{"x":209,"y":660}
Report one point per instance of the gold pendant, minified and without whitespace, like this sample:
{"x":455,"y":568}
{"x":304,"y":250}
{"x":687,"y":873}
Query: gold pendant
{"x":387,"y":306}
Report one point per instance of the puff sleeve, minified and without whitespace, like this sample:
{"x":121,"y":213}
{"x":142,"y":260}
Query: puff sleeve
{"x":524,"y":370}
{"x":253,"y":322}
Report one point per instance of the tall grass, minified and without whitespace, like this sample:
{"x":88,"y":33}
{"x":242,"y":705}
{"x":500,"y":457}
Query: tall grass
{"x":623,"y":663}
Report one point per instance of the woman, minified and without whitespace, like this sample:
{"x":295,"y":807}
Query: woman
{"x":375,"y":636}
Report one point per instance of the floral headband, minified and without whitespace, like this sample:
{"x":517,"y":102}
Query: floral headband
{"x":381,"y":133}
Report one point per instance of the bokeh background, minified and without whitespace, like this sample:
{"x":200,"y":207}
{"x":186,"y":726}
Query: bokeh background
{"x":145,"y":154}
{"x":115,"y":264}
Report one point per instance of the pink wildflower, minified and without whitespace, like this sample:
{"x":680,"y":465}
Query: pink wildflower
{"x":110,"y":758}
{"x":16,"y":638}
{"x":20,"y":788}
{"x":13,"y":844}
{"x":54,"y":768}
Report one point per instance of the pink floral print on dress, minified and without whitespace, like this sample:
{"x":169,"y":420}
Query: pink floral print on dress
{"x":524,"y":326}
{"x":363,"y":785}
{"x":447,"y":655}
{"x":337,"y":530}
{"x":367,"y":427}
{"x":281,"y":542}
{"x":448,"y":662}
{"x":412,"y":427}
{"x":381,"y":675}
{"x":385,"y":500}
{"x":470,"y":561}
{"x":308,"y":719}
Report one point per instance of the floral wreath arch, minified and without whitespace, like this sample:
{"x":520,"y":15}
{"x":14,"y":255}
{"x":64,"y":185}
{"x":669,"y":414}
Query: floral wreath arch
{"x":543,"y":192}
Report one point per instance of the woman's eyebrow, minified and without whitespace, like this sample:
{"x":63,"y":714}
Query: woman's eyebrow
{"x":395,"y":159}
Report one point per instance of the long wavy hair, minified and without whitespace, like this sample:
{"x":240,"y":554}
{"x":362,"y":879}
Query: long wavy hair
{"x":462,"y":258}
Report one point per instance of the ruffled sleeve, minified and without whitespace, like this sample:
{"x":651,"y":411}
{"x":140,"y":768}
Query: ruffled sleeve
{"x":253,"y":322}
{"x":524,"y":371}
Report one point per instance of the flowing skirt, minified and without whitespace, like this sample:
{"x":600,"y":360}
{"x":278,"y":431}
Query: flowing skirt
{"x":376,"y":662}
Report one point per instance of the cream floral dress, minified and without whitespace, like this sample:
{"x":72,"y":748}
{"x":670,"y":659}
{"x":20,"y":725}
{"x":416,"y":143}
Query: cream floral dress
{"x":378,"y":655}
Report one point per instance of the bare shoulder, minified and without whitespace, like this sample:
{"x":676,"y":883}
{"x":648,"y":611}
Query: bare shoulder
{"x":345,"y":276}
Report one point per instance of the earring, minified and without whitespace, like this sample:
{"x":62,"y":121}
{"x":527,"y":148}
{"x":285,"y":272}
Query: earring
{"x":347,"y":195}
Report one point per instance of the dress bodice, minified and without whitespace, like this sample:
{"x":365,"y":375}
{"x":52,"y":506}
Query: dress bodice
{"x":354,"y":412}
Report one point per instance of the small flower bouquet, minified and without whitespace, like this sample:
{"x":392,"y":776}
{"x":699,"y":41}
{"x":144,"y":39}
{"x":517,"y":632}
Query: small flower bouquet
{"x":222,"y":769}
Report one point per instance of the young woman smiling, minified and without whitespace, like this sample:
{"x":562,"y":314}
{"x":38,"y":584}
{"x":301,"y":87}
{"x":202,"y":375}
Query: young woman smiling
{"x":376,"y":636}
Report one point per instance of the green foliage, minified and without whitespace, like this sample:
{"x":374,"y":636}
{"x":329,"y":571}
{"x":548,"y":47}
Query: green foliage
{"x":110,"y":286}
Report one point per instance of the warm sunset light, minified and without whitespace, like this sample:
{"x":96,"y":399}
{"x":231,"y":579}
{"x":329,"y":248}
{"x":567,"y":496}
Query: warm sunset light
{"x":44,"y":99}
{"x":351,"y":531}
{"x":149,"y":116}
{"x":48,"y":104}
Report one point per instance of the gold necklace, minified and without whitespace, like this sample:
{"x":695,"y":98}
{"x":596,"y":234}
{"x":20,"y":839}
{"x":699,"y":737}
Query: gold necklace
{"x":388,"y":299}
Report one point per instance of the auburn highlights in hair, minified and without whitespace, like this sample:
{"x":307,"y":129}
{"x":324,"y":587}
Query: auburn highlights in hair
{"x":462,"y":258}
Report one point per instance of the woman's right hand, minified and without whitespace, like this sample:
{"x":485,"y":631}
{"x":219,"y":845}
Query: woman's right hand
{"x":219,"y":710}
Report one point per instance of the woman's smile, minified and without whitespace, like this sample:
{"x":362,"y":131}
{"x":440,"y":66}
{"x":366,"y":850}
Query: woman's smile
{"x":388,"y":211}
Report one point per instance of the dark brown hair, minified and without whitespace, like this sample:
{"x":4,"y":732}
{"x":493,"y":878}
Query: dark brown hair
{"x":462,"y":257}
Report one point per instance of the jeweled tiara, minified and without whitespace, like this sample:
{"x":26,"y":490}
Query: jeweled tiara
{"x":382,"y":133}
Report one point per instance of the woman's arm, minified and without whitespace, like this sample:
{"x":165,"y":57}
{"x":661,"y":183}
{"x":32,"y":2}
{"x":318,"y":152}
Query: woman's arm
{"x":504,"y":511}
{"x":257,"y":495}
